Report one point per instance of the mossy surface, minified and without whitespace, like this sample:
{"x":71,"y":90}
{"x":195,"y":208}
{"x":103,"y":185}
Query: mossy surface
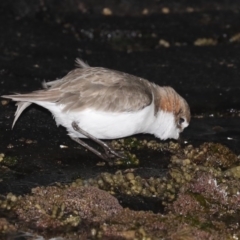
{"x":199,"y":198}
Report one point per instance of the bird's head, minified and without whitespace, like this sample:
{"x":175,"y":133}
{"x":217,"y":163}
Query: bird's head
{"x":173,"y":114}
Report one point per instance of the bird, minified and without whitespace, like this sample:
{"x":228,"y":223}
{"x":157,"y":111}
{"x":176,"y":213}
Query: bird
{"x":102,"y":104}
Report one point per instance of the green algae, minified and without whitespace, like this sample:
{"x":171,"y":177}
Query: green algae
{"x":9,"y":161}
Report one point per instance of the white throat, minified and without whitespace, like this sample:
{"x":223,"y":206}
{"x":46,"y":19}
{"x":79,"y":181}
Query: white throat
{"x":164,"y":126}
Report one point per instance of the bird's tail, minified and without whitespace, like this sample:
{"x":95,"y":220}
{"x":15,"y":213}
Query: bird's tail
{"x":25,"y":100}
{"x":21,"y":105}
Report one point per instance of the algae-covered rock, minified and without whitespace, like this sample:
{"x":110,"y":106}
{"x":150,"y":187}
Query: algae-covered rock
{"x":201,"y":199}
{"x":233,"y":172}
{"x":210,"y":154}
{"x":55,"y":207}
{"x":6,"y":226}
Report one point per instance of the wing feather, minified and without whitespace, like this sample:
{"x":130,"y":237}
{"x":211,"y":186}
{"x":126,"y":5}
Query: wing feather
{"x":105,"y":90}
{"x":94,"y":87}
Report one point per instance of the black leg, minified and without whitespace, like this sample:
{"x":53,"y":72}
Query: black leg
{"x":110,"y":153}
{"x":99,"y":154}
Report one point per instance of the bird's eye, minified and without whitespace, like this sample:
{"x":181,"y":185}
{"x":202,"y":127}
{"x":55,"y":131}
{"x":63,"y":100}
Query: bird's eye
{"x":181,"y":120}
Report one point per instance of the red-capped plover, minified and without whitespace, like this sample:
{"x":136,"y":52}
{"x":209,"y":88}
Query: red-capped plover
{"x":99,"y":103}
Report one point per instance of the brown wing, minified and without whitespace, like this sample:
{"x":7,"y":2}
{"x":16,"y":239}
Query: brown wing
{"x":94,"y":87}
{"x":101,"y":89}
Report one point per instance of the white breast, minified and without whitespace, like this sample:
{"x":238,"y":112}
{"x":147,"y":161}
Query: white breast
{"x":103,"y":125}
{"x":111,"y":125}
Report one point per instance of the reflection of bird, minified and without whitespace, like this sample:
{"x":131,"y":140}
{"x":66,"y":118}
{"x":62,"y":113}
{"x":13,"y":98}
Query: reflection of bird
{"x":99,"y":103}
